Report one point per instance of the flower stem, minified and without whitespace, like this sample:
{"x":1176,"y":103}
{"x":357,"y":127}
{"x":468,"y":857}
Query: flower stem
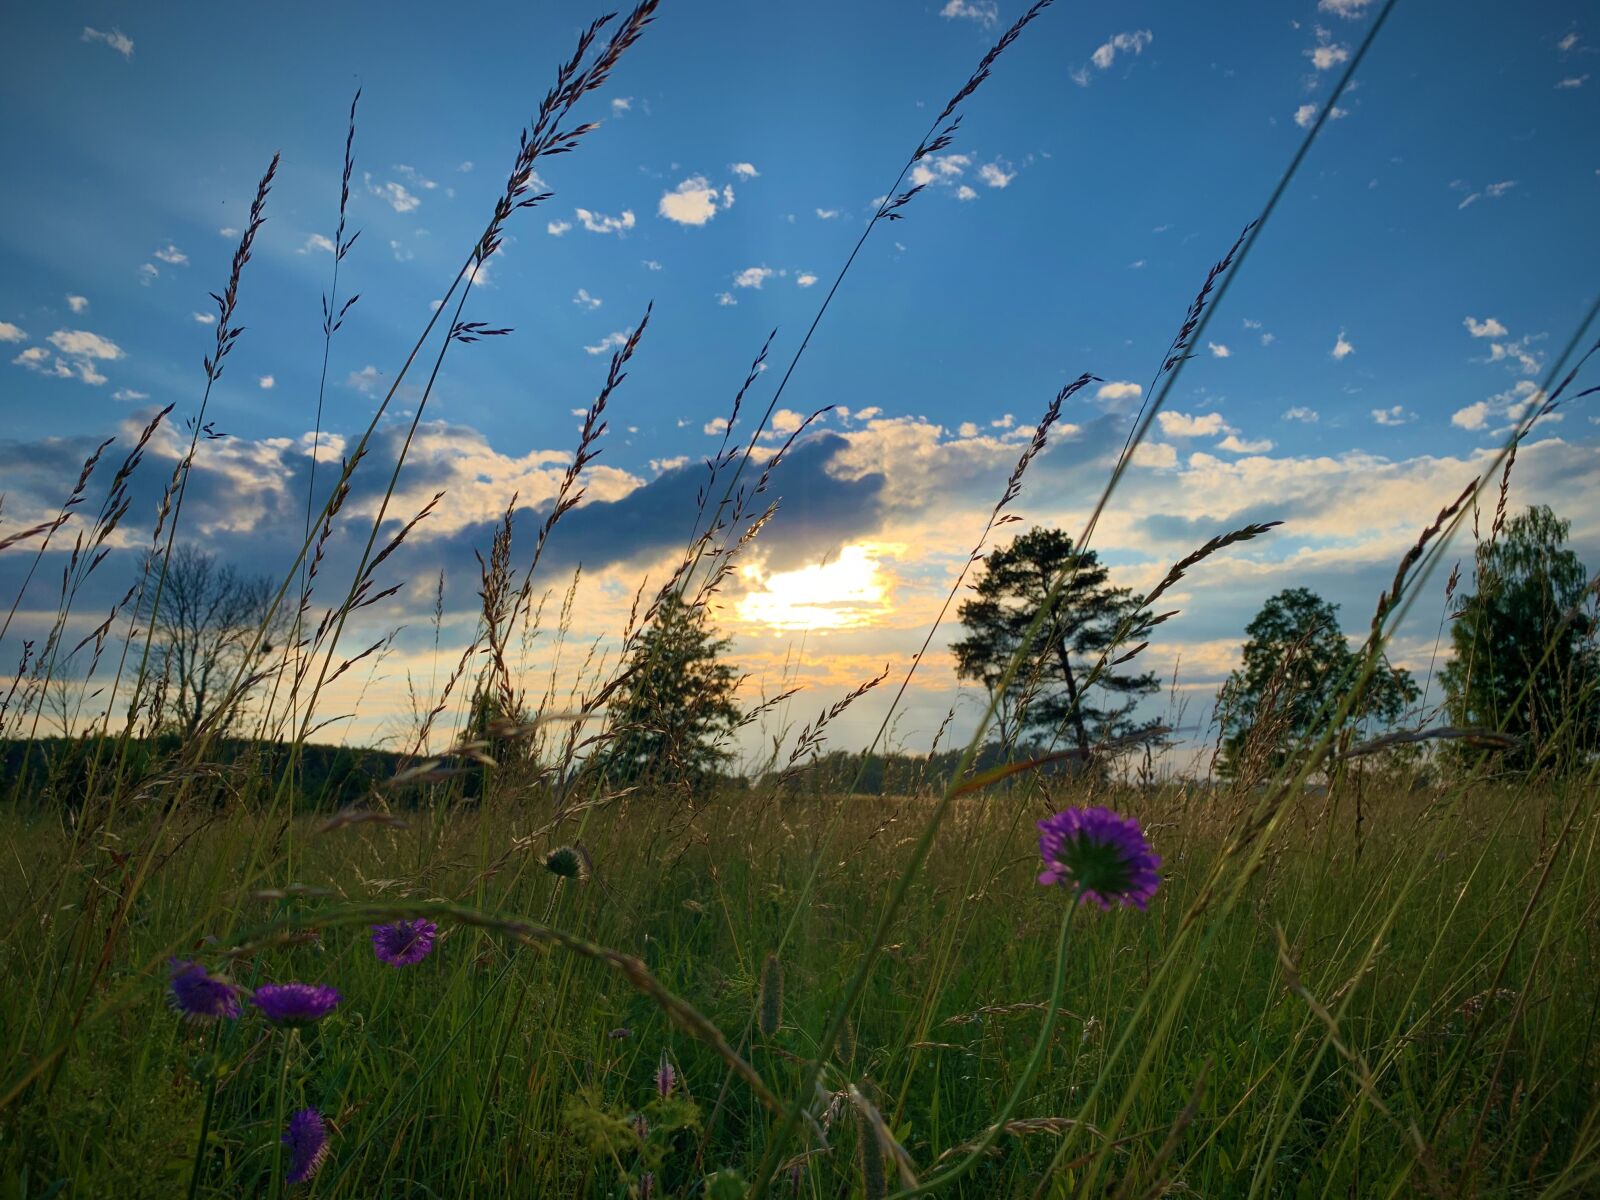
{"x":277,"y":1125}
{"x":1036,"y":1060}
{"x":205,"y":1115}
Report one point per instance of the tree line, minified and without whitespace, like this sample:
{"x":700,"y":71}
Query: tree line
{"x":1524,"y":663}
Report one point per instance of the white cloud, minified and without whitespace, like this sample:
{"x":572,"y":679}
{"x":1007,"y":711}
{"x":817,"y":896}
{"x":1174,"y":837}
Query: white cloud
{"x":1177,"y":424}
{"x":1348,"y":9}
{"x":620,"y":105}
{"x":267,"y":383}
{"x":940,"y":168}
{"x":694,"y":201}
{"x":1156,"y":455}
{"x":1572,"y":81}
{"x":585,"y":301}
{"x":1488,"y":327}
{"x":1002,"y":422}
{"x":726,"y":299}
{"x":995,"y":175}
{"x":650,"y":264}
{"x":82,"y":350}
{"x":172,"y":255}
{"x":464,"y":166}
{"x":401,"y":252}
{"x":1268,"y":338}
{"x":394,"y":195}
{"x":967,"y":430}
{"x":78,"y":304}
{"x":1342,"y":348}
{"x":228,"y":231}
{"x":827,"y":214}
{"x":366,"y":381}
{"x":147,"y":272}
{"x":1307,"y":113}
{"x":744,"y":170}
{"x":1218,"y":350}
{"x":1396,"y":415}
{"x":786,"y":421}
{"x":1507,"y":407}
{"x":1517,"y":352}
{"x":201,"y":318}
{"x":83,"y":344}
{"x":1324,"y":57}
{"x":116,"y":39}
{"x":1567,"y":43}
{"x":600,"y":223}
{"x":1120,"y":390}
{"x":805,"y":279}
{"x":752,"y":277}
{"x":1301,"y":413}
{"x":1124,"y":43}
{"x":985,"y":12}
{"x":318,"y":242}
{"x":1236,"y":445}
{"x":1500,"y":189}
{"x":612,"y":341}
{"x":11,"y":333}
{"x":557,"y":228}
{"x":662,"y":465}
{"x":129,"y":395}
{"x":966,"y":193}
{"x":714,"y":426}
{"x":417,"y":178}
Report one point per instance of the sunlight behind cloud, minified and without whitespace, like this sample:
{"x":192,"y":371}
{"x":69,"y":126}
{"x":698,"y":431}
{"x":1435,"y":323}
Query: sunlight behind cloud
{"x":849,"y":592}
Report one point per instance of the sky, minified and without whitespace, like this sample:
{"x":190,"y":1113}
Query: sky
{"x":1424,"y":270}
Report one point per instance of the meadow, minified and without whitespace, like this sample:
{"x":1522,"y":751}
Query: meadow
{"x":534,"y":966}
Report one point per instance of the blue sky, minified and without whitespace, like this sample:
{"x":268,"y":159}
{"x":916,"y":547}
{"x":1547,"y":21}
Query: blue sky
{"x":1434,"y":253}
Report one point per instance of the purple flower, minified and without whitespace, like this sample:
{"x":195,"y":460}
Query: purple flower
{"x":296,"y":1003}
{"x":201,"y":996}
{"x":665,"y":1076}
{"x":1102,"y":854}
{"x":306,"y":1140}
{"x":404,"y":942}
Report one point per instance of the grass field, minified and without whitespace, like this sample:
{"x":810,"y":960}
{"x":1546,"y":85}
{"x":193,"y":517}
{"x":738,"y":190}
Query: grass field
{"x":1408,"y":1012}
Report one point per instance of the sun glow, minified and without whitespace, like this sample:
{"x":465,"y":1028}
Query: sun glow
{"x":849,"y":592}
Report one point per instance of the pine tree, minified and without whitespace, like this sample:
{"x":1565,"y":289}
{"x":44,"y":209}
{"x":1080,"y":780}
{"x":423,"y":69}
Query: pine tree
{"x":1052,"y":691}
{"x":675,"y":708}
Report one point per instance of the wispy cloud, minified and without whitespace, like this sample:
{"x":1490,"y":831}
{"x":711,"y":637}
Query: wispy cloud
{"x":11,"y":333}
{"x":78,"y":304}
{"x":585,"y":301}
{"x":984,"y":12}
{"x":1395,"y":415}
{"x":115,"y":38}
{"x":600,"y":223}
{"x":1343,"y":348}
{"x":752,"y":277}
{"x":744,"y":170}
{"x":171,"y":255}
{"x":611,"y":341}
{"x":1106,"y":53}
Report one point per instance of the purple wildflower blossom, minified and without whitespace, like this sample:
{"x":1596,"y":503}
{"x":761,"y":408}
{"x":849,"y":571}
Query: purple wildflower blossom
{"x":296,"y":1003}
{"x":1101,"y":853}
{"x":404,"y":942}
{"x":306,"y":1140}
{"x":665,"y":1076}
{"x":201,"y":996}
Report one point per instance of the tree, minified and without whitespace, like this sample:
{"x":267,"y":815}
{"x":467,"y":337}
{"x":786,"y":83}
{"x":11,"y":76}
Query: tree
{"x":1526,"y":661}
{"x":1053,"y":689}
{"x":675,"y":706}
{"x":208,"y":617}
{"x":1296,"y":664}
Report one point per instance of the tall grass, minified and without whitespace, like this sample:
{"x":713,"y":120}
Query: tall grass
{"x":1381,"y":987}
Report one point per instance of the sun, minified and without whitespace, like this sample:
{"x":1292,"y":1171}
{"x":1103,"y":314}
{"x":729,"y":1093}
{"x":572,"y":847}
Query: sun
{"x":848,"y":592}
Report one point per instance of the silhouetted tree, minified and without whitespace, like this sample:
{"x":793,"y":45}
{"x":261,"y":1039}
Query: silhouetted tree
{"x":1526,"y":661}
{"x":1053,"y":689}
{"x":209,"y":614}
{"x":1296,"y":665}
